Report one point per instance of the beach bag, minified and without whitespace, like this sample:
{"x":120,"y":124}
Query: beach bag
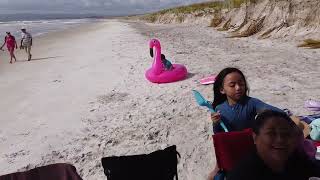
{"x":315,"y":130}
{"x":158,"y":165}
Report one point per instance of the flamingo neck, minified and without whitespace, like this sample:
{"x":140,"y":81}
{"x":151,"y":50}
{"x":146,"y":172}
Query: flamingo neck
{"x":157,"y":63}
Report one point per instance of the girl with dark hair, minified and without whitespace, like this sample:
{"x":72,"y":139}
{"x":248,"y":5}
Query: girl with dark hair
{"x":231,"y":101}
{"x":233,"y":106}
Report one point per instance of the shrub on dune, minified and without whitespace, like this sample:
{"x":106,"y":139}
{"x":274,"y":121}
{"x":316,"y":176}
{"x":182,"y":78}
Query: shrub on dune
{"x":310,"y":43}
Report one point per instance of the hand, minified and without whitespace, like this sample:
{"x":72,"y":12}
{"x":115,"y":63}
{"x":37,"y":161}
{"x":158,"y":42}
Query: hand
{"x":215,"y":117}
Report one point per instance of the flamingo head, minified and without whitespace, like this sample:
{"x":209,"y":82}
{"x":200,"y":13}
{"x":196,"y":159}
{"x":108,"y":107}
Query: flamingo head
{"x":154,"y":43}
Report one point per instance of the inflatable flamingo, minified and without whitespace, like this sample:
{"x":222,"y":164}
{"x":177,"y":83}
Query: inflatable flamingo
{"x":157,"y":73}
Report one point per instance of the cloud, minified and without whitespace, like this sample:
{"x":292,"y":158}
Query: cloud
{"x":90,"y":6}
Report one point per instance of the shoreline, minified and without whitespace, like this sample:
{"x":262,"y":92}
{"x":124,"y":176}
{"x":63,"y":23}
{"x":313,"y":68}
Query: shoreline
{"x":40,"y":28}
{"x":47,"y":37}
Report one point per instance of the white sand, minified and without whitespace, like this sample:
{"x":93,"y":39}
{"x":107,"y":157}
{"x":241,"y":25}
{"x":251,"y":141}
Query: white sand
{"x":86,"y":96}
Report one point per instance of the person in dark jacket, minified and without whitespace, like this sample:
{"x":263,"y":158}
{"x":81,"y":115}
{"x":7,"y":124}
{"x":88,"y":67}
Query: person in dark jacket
{"x":276,"y":137}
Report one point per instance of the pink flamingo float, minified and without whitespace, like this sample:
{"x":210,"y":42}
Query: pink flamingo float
{"x":157,"y":73}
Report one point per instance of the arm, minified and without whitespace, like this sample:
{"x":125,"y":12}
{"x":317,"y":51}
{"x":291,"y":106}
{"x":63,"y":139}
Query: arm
{"x":15,"y":42}
{"x":21,"y":43}
{"x":22,"y":38}
{"x":217,"y":128}
{"x":31,"y":40}
{"x":5,"y":40}
{"x":215,"y":118}
{"x":218,"y":118}
{"x":261,"y":106}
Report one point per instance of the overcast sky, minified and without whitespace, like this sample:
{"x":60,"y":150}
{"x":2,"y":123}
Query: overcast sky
{"x":107,"y":7}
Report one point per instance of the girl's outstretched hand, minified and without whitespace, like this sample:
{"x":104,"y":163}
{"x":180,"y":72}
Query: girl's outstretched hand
{"x":215,"y":117}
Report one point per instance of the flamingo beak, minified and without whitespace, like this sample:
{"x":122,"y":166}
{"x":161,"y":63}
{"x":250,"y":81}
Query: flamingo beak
{"x":151,"y":52}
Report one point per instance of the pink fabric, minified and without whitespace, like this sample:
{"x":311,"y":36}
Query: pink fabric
{"x":10,"y":49}
{"x":230,"y":147}
{"x":10,"y":41}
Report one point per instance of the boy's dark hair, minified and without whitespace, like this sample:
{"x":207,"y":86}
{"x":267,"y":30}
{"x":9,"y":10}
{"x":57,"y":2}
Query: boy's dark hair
{"x":217,"y":95}
{"x":262,"y":118}
{"x":163,"y":57}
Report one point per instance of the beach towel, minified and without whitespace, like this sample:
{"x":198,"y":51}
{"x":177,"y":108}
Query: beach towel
{"x":60,"y":171}
{"x":309,"y":118}
{"x":315,"y":130}
{"x":158,"y":165}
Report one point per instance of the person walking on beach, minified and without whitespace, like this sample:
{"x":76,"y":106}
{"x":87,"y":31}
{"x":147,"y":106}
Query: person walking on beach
{"x":26,"y":42}
{"x":11,"y":44}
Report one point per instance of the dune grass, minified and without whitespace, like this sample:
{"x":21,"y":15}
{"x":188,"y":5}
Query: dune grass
{"x":254,"y":27}
{"x":205,"y":7}
{"x":310,"y":43}
{"x":200,"y":8}
{"x":217,"y":5}
{"x":216,"y":21}
{"x":226,"y":26}
{"x":237,"y":3}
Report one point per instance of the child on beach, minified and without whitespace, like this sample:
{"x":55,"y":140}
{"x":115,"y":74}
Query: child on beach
{"x":11,"y":44}
{"x":233,"y":105}
{"x":166,"y":63}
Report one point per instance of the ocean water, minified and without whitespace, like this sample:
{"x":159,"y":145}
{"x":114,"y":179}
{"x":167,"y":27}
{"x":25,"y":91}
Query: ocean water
{"x":38,"y":27}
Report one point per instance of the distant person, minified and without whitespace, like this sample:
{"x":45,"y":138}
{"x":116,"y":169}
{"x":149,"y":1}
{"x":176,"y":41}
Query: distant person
{"x":166,"y":63}
{"x":11,"y":44}
{"x":26,"y":42}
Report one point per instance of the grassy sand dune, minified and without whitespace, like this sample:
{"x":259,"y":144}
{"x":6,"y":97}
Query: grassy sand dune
{"x":292,"y":19}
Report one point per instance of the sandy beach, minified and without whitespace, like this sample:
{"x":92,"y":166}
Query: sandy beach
{"x":84,"y":96}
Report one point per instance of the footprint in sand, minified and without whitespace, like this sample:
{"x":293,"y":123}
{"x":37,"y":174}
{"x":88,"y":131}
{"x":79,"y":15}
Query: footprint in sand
{"x":112,"y":97}
{"x":11,"y":157}
{"x":2,"y":138}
